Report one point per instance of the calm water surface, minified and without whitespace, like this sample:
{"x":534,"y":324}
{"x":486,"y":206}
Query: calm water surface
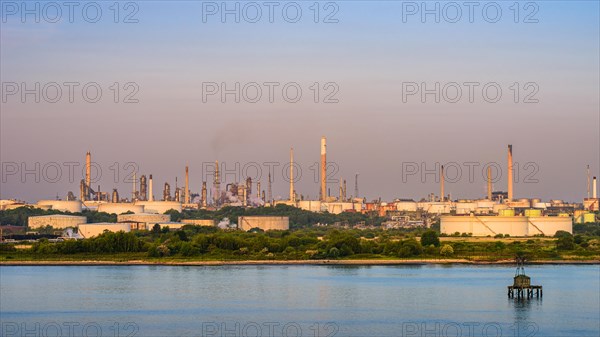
{"x":296,"y":301}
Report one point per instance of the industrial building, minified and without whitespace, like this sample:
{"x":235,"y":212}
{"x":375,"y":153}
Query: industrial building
{"x":264,"y":222}
{"x":55,"y":221}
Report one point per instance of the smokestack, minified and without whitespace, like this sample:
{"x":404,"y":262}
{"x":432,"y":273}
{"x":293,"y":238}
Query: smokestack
{"x":510,"y":173}
{"x":356,"y":185}
{"x":134,"y":191}
{"x":187,"y":185}
{"x":217,"y":182}
{"x":344,"y":189}
{"x":204,"y":201}
{"x":595,"y":189}
{"x":270,"y":192}
{"x":588,"y":181}
{"x":442,"y":184}
{"x":88,"y":174}
{"x":292,"y":194}
{"x":489,"y":183}
{"x":258,"y":190}
{"x":323,"y":168}
{"x":150,"y":191}
{"x":341,"y":190}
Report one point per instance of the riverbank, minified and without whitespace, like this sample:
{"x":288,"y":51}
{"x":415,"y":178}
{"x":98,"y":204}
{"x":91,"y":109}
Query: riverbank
{"x":291,"y":262}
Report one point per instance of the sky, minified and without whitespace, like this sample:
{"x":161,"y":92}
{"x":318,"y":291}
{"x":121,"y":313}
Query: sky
{"x":361,"y":69}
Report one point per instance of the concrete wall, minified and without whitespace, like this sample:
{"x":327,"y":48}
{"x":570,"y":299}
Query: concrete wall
{"x":264,"y":222}
{"x":56,"y":221}
{"x":95,"y":229}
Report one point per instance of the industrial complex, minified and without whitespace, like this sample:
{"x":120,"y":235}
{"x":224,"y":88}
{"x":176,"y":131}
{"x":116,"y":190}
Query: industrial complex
{"x":495,"y":213}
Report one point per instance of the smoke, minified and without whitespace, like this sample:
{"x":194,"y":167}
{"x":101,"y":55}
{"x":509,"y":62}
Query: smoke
{"x":226,"y":224}
{"x":255,"y":201}
{"x":71,"y":235}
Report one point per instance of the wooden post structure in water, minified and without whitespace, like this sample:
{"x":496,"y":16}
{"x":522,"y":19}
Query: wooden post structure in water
{"x":522,"y":287}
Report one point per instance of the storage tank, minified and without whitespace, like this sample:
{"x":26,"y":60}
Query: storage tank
{"x":159,"y":207}
{"x":406,"y":206}
{"x":506,"y":212}
{"x":589,"y":217}
{"x":73,"y":206}
{"x":120,"y":208}
{"x":264,"y":222}
{"x":533,"y":212}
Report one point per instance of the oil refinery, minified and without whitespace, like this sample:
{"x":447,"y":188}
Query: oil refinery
{"x":495,"y":213}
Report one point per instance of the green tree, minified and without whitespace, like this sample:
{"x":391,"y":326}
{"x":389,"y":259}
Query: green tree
{"x":430,"y":238}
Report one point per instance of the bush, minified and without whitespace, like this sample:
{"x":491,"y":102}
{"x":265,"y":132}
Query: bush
{"x":447,"y":250}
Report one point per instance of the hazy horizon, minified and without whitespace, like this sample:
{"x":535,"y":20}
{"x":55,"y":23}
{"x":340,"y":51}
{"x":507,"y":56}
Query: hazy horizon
{"x":369,"y":55}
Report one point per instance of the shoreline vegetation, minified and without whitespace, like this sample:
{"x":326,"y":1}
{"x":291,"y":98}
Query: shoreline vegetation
{"x":369,"y":262}
{"x":307,"y":242}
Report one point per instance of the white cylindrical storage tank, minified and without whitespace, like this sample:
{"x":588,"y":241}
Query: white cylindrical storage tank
{"x":120,"y":208}
{"x":549,"y":225}
{"x":159,"y":207}
{"x":73,"y":206}
{"x":406,"y":206}
{"x":465,"y":207}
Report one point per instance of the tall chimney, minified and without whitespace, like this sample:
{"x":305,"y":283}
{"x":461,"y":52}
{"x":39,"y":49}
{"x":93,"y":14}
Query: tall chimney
{"x":134,"y":191}
{"x":270,"y":191}
{"x":88,"y":174}
{"x":150,"y":191}
{"x":588,"y":181}
{"x":442,"y":184}
{"x":595,"y":189}
{"x":292,"y":194}
{"x":489,"y":183}
{"x":356,"y":185}
{"x":204,"y":201}
{"x":341,"y":190}
{"x":217,"y":182}
{"x":187,"y":185}
{"x":323,"y":168}
{"x":510,"y":173}
{"x":258,"y":190}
